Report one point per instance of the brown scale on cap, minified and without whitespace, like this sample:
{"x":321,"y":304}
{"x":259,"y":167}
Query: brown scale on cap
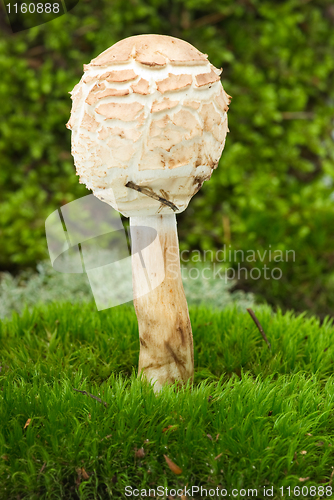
{"x":142,"y":87}
{"x":210,"y":117}
{"x":223,"y":100}
{"x":191,"y":104}
{"x":174,"y":82}
{"x":162,"y":105}
{"x":88,"y":79}
{"x":93,"y":97}
{"x":89,"y":123}
{"x":119,"y":111}
{"x":164,"y":135}
{"x":98,"y":87}
{"x":189,"y":122}
{"x":206,"y":78}
{"x":181,"y":155}
{"x":125,"y":75}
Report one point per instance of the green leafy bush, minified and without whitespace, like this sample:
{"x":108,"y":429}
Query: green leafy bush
{"x":274,"y":185}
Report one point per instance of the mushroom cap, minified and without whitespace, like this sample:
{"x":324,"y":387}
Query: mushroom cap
{"x":149,"y":111}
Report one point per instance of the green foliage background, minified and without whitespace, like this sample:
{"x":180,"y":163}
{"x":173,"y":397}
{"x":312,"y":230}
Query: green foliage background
{"x":274,"y":185}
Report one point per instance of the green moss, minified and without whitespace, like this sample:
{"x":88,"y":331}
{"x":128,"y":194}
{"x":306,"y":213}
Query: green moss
{"x":254,"y":417}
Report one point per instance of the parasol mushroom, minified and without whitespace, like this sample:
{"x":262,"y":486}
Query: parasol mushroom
{"x":149,"y":122}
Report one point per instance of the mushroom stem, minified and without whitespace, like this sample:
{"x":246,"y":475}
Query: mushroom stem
{"x":166,"y":342}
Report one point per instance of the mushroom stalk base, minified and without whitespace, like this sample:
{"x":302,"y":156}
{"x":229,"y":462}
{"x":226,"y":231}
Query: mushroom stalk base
{"x":166,"y":342}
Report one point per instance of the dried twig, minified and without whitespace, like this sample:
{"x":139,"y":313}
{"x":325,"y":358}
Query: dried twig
{"x":213,"y":18}
{"x":331,"y":478}
{"x":257,"y":322}
{"x":149,"y":192}
{"x":91,"y":396}
{"x":298,"y":115}
{"x":41,"y":470}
